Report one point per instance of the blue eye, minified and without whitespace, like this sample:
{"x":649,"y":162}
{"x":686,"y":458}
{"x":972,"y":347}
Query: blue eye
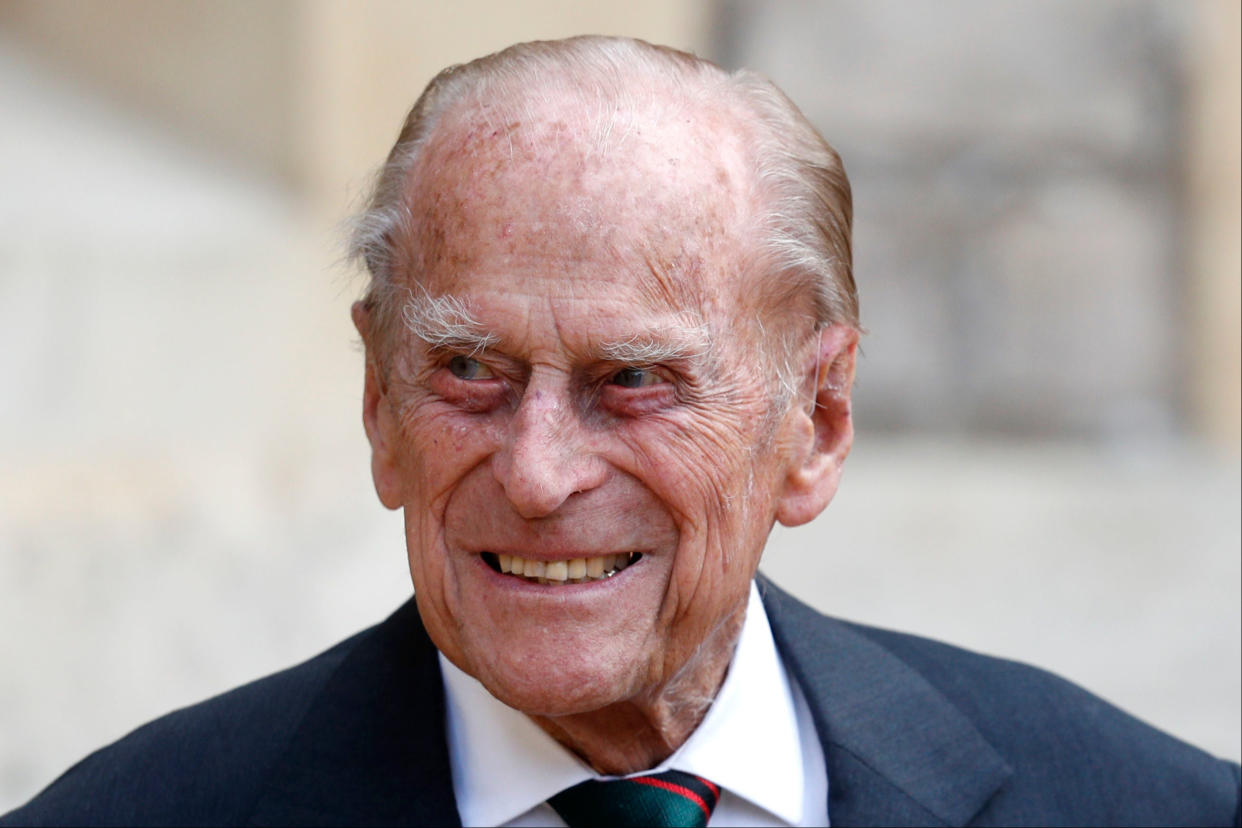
{"x":635,"y":378}
{"x":468,"y":368}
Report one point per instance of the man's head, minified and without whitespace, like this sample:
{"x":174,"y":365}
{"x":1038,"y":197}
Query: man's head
{"x":611,"y":323}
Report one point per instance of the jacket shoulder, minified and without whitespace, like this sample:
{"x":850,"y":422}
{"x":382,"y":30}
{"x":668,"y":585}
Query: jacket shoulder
{"x":1072,"y":757}
{"x":1068,"y":747}
{"x":200,"y":765}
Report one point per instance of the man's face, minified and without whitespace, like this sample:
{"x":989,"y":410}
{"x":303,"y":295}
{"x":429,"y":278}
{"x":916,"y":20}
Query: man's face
{"x":599,"y":393}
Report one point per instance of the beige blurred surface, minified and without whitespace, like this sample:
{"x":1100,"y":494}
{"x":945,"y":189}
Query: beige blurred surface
{"x":1214,"y":170}
{"x":184,"y":494}
{"x":311,"y":90}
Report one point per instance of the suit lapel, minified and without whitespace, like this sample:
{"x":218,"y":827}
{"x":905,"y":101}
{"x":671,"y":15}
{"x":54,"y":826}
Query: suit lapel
{"x":897,"y":751}
{"x":371,"y":749}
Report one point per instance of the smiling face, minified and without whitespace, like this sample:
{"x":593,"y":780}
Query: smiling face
{"x":583,"y":390}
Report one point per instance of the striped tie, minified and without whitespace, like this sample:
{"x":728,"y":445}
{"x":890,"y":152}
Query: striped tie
{"x":672,"y":799}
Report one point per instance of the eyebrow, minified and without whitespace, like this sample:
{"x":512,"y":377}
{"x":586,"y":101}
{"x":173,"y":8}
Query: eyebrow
{"x":677,"y":342}
{"x":446,"y":322}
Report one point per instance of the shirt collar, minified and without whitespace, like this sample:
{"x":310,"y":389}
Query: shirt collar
{"x":503,"y":764}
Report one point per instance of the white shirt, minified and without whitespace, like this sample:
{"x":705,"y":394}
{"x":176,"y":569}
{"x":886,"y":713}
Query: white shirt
{"x":757,"y":742}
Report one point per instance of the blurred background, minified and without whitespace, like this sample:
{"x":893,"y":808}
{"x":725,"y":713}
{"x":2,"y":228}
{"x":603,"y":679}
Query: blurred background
{"x":1048,"y":409}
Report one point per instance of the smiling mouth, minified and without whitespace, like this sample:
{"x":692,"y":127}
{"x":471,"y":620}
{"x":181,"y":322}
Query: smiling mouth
{"x":570,"y":571}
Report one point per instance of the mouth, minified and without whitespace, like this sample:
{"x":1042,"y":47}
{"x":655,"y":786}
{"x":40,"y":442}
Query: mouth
{"x":555,"y":573}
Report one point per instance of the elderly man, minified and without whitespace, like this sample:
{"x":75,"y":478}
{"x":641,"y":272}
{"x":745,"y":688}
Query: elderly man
{"x":610,"y":333}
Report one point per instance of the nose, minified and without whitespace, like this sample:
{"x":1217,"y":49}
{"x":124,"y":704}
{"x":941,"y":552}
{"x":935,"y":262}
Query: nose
{"x":547,"y":456}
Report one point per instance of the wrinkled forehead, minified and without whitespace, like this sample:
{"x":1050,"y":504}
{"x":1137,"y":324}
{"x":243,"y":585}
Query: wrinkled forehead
{"x":657,"y":183}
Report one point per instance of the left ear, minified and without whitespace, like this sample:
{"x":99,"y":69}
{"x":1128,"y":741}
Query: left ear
{"x":822,"y":428}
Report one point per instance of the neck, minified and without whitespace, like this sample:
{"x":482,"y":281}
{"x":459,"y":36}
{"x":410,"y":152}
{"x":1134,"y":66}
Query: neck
{"x":639,"y":733}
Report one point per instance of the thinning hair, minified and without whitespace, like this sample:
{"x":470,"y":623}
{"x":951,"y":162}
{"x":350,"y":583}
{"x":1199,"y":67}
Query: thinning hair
{"x":805,"y":203}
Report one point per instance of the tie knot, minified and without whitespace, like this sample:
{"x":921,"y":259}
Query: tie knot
{"x":665,"y":799}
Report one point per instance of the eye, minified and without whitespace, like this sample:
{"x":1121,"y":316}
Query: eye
{"x":636,"y":378}
{"x":468,"y":368}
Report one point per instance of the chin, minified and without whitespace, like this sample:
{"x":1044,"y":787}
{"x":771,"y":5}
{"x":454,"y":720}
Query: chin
{"x":557,"y":684}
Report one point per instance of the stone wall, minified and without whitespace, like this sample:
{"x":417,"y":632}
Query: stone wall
{"x":1022,"y":246}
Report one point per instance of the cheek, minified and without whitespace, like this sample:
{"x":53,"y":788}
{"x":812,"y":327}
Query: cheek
{"x":712,"y":473}
{"x":439,"y":446}
{"x":703,"y":466}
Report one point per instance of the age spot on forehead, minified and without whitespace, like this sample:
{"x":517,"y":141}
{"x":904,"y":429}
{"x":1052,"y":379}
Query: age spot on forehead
{"x":659,"y":203}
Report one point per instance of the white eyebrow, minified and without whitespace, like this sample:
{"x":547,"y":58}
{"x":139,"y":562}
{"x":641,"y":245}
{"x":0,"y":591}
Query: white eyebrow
{"x":445,"y":322}
{"x":679,"y":341}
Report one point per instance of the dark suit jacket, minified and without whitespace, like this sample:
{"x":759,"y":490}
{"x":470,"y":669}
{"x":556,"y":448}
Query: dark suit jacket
{"x":914,"y":733}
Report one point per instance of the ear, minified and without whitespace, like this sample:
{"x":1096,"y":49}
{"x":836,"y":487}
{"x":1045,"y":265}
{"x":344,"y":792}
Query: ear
{"x":823,"y":428}
{"x":377,"y":417}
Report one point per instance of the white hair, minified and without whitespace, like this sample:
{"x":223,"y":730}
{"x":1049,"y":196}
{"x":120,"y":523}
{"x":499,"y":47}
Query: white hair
{"x":804,"y":193}
{"x":680,"y":342}
{"x":445,"y":322}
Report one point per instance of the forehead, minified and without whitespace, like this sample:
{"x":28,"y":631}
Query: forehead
{"x":652,"y":199}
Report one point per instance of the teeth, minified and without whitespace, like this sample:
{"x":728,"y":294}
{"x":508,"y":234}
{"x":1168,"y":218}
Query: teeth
{"x":574,"y":570}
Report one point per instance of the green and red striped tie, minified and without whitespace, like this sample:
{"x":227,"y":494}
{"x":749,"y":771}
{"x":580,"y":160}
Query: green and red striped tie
{"x":666,"y":799}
